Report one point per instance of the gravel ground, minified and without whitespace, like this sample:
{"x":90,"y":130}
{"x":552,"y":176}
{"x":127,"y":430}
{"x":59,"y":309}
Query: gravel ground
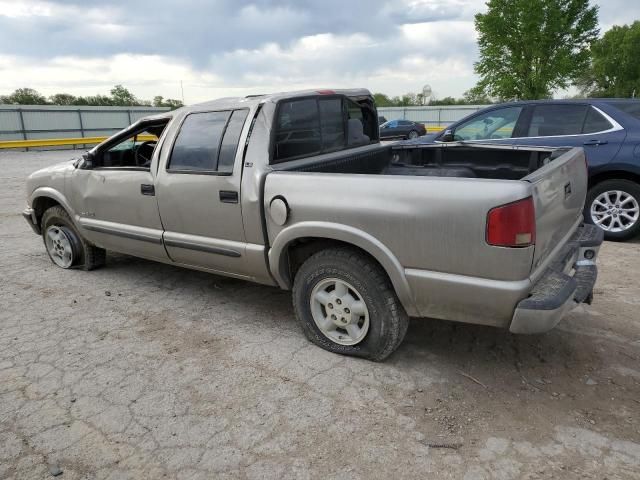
{"x":144,"y":370}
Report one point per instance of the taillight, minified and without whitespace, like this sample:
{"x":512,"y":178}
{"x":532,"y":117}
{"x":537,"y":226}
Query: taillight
{"x":512,"y":225}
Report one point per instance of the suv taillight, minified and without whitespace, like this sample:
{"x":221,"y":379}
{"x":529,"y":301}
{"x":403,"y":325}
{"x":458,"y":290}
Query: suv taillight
{"x":512,"y":225}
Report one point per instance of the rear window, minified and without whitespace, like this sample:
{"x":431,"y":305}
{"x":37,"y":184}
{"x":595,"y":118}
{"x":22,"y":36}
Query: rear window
{"x":311,"y":126}
{"x":632,"y":108}
{"x":554,"y":120}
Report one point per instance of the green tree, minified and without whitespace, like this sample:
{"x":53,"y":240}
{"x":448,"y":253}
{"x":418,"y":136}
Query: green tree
{"x":529,"y":48}
{"x":62,"y":99}
{"x":382,"y":100}
{"x":122,"y":97}
{"x":615,"y":64}
{"x":159,"y":101}
{"x":24,"y":96}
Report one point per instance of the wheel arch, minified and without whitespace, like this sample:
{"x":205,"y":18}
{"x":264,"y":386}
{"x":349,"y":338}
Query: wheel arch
{"x":614,"y":175}
{"x":44,"y":198}
{"x":293,"y":245}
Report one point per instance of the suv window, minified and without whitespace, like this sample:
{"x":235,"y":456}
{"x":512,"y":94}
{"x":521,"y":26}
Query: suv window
{"x":495,"y":124}
{"x":311,"y":126}
{"x":553,"y":120}
{"x":595,"y":122}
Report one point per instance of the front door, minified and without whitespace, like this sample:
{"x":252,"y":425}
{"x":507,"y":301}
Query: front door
{"x":199,"y":193}
{"x":114,"y":196}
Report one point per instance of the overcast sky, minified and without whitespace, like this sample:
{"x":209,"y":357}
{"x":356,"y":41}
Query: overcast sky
{"x":236,"y":47}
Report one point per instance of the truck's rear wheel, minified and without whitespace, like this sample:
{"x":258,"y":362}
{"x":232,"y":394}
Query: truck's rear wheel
{"x":346,"y":304}
{"x":614,"y":206}
{"x":65,"y":245}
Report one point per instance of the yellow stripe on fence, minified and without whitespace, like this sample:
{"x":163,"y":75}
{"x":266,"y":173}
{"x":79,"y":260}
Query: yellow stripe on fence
{"x":56,"y":142}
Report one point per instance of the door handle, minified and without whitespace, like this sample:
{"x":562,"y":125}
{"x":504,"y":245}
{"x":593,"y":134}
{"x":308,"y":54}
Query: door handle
{"x":595,"y":142}
{"x":228,"y":196}
{"x":146,"y":189}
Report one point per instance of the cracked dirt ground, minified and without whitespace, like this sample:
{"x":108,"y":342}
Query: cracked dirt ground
{"x":142,"y":370}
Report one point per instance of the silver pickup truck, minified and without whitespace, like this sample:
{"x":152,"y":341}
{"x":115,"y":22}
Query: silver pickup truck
{"x":295,"y":190}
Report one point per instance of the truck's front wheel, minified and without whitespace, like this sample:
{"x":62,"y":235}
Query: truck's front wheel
{"x":346,"y":304}
{"x":65,"y":245}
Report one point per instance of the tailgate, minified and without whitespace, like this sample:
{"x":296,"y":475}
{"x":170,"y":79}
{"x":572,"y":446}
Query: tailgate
{"x":559,"y":192}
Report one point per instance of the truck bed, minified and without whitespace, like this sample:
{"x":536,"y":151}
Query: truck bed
{"x":439,"y":160}
{"x":426,"y":206}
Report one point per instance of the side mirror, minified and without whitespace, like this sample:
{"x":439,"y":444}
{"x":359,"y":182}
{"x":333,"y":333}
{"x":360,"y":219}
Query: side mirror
{"x":87,"y":161}
{"x":447,"y":136}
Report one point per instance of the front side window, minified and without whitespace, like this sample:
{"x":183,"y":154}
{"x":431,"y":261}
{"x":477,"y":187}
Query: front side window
{"x":134,"y":151}
{"x":492,"y":125}
{"x":557,"y":120}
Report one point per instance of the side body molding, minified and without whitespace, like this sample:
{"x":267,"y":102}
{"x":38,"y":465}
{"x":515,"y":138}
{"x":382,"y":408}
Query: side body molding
{"x":343,"y":233}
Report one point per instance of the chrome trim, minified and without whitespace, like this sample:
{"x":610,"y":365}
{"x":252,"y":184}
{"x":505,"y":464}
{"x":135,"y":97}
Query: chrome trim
{"x":616,"y":127}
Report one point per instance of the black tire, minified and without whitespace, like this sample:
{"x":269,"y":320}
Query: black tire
{"x":629,"y":187}
{"x":413,"y":132}
{"x":85,"y":255}
{"x":388,"y":321}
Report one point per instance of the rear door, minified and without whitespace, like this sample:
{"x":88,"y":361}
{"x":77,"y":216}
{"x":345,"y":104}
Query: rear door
{"x":559,"y":191}
{"x":573,"y":125}
{"x":198,"y":191}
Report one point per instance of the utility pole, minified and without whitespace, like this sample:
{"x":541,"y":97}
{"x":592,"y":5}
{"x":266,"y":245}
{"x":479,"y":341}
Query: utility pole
{"x":182,"y":91}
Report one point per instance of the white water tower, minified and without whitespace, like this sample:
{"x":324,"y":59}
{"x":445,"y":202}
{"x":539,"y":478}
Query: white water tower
{"x":426,"y":94}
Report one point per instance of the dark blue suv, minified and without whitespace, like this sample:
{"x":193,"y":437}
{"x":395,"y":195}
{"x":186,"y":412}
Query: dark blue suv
{"x":607,"y":129}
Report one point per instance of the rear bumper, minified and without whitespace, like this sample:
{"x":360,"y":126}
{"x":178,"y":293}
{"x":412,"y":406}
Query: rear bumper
{"x":30,"y":216}
{"x":567,"y":282}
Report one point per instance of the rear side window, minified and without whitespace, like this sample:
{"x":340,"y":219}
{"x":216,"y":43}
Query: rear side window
{"x":230,"y":141}
{"x":208,"y":142}
{"x":553,"y":120}
{"x":595,"y":122}
{"x":198,"y":143}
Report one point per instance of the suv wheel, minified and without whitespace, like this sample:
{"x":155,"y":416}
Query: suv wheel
{"x":65,"y":246}
{"x":413,"y":135}
{"x":614,"y":206}
{"x":346,"y":304}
